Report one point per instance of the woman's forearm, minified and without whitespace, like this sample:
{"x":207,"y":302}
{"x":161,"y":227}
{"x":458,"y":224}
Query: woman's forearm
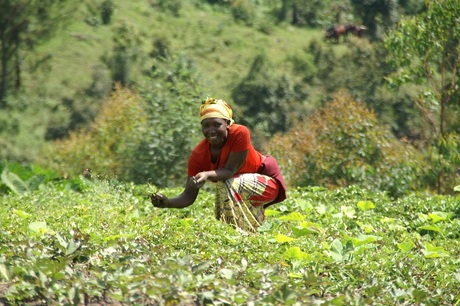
{"x":221,"y":174}
{"x":181,"y":201}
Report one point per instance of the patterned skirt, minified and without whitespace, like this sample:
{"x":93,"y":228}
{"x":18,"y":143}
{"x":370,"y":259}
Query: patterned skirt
{"x":240,"y":200}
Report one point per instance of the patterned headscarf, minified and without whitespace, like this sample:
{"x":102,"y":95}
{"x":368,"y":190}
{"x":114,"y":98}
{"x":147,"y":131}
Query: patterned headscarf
{"x":212,"y":108}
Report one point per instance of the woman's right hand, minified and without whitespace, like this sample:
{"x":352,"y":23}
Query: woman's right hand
{"x":159,"y":200}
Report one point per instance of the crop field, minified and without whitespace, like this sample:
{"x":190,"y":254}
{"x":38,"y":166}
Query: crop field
{"x":100,"y":242}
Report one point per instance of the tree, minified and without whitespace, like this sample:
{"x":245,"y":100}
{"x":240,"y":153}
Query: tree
{"x":375,"y":14}
{"x":23,"y":25}
{"x":343,"y":144}
{"x":425,"y":49}
{"x":269,"y":100}
{"x":126,"y":53}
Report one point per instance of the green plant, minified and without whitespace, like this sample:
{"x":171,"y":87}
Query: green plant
{"x":107,"y":244}
{"x":342,"y":144}
{"x":104,"y":148}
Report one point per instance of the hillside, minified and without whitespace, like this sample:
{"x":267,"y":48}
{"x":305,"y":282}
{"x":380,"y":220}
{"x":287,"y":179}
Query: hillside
{"x":222,"y":48}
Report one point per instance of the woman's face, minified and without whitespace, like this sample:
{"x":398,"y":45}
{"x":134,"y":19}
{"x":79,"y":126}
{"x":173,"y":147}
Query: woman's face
{"x":215,"y":130}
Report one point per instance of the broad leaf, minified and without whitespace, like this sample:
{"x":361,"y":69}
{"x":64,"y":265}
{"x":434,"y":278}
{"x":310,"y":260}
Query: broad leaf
{"x":432,"y":228}
{"x":280,"y":238}
{"x":365,"y":205}
{"x":13,"y":182}
{"x":406,"y":246}
{"x":294,"y":216}
{"x":294,"y":253}
{"x":432,"y":251}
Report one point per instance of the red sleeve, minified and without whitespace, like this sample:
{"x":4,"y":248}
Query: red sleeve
{"x":199,"y":159}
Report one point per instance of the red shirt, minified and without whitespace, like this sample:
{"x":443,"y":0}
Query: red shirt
{"x":238,"y":140}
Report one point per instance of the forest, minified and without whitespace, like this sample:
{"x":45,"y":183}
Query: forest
{"x":114,"y":87}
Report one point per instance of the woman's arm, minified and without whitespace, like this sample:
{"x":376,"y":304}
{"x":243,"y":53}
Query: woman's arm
{"x":234,"y":162}
{"x":186,"y":198}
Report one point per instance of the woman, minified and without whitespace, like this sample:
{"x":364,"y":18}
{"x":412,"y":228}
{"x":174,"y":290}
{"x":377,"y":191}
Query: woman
{"x":246,"y":181}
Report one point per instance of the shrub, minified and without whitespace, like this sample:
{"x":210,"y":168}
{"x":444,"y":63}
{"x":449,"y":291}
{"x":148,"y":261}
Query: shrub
{"x":138,"y":136}
{"x":171,"y":99}
{"x":342,"y":144}
{"x":104,"y":145}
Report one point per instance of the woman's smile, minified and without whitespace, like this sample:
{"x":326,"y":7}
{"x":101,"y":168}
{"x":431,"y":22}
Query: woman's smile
{"x":215,"y":130}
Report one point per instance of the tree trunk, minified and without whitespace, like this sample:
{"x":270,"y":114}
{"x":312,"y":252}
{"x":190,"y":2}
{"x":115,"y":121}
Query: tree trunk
{"x":4,"y":72}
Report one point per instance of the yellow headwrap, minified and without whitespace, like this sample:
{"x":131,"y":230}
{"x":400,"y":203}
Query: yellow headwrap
{"x":212,"y":108}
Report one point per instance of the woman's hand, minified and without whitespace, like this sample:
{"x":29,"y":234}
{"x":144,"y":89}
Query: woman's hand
{"x":159,"y":200}
{"x":200,"y":178}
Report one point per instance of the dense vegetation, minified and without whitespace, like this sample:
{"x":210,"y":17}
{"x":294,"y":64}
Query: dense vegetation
{"x":61,"y":63}
{"x":99,"y":106}
{"x":97,"y":242}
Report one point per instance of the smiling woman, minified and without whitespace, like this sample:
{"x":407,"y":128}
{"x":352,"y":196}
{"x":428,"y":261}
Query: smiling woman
{"x":246,"y":181}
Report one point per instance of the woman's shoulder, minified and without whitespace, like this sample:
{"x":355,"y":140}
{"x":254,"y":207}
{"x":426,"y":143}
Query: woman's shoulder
{"x":238,"y":128}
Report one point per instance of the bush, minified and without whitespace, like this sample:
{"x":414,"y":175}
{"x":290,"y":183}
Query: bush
{"x":138,"y":136}
{"x":102,"y":147}
{"x":342,"y":144}
{"x":269,"y":100}
{"x":171,"y":100}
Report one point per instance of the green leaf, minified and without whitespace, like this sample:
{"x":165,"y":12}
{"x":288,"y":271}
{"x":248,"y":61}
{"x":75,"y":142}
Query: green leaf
{"x":21,"y":214}
{"x":348,"y":211}
{"x":294,"y":253}
{"x":438,"y":216}
{"x":294,"y":216}
{"x":406,"y":246}
{"x":301,"y":231}
{"x":280,"y":238}
{"x":432,"y":228}
{"x":362,"y":239}
{"x":271,"y":212}
{"x":13,"y":182}
{"x":432,"y":251}
{"x":306,"y":228}
{"x":457,"y":188}
{"x":365,"y":205}
{"x":4,"y":272}
{"x":40,"y":228}
{"x":336,"y":250}
{"x":226,"y":273}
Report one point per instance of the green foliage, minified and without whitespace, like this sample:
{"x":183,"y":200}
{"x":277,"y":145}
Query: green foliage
{"x":20,"y":179}
{"x":170,"y":99}
{"x":425,"y":51}
{"x":138,"y":137}
{"x":342,"y":144}
{"x":107,"y":7}
{"x":65,"y":80}
{"x":104,"y":148}
{"x":268,"y":100}
{"x":169,"y":6}
{"x":108,"y":244}
{"x":126,"y":53}
{"x":376,"y":15}
{"x":23,"y":26}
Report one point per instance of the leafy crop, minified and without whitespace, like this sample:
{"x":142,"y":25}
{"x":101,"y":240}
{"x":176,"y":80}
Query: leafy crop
{"x":106,"y":243}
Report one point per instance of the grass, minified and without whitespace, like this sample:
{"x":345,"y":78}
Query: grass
{"x":222,"y":48}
